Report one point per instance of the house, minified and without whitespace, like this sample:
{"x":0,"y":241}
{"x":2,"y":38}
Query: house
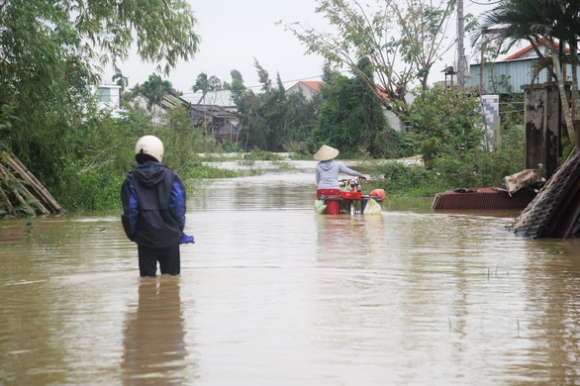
{"x":509,"y":74}
{"x":308,"y":88}
{"x":222,"y":98}
{"x":217,"y":110}
{"x":109,"y":98}
{"x":215,"y":113}
{"x":217,"y":120}
{"x":311,"y":88}
{"x":394,"y":121}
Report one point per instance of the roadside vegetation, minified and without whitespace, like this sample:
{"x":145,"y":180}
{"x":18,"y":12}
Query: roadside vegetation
{"x":447,"y":131}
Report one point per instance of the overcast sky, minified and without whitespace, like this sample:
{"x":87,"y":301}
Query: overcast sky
{"x":234,"y":32}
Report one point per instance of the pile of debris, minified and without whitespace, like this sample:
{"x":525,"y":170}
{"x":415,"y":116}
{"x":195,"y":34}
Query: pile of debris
{"x":555,"y":210}
{"x":20,"y":191}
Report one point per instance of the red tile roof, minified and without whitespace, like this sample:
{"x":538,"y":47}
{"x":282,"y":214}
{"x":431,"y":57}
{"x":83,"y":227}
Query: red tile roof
{"x":524,"y":50}
{"x":382,"y":92}
{"x":313,"y":84}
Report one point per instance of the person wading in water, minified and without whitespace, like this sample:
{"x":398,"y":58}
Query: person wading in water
{"x":154,"y":199}
{"x":327,"y":171}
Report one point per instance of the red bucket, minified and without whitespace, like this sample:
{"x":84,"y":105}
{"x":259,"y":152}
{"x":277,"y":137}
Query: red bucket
{"x":333,"y":206}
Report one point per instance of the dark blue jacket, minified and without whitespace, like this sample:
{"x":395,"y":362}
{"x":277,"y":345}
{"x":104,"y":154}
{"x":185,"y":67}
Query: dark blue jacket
{"x":153,"y":206}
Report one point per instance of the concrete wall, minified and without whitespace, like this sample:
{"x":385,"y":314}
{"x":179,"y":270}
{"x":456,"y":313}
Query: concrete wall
{"x":543,"y":127}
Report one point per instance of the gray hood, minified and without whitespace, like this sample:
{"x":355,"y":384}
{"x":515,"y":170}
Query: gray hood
{"x":326,"y":165}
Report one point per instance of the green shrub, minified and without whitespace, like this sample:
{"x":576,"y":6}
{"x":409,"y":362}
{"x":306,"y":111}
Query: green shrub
{"x":230,"y":147}
{"x":398,"y":179}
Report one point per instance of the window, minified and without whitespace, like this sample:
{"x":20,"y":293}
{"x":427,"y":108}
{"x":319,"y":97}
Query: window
{"x":104,"y":94}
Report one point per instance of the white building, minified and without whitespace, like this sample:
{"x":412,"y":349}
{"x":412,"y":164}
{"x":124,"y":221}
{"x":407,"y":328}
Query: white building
{"x":109,"y":98}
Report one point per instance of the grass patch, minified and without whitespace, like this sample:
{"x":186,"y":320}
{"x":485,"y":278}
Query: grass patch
{"x":398,"y":179}
{"x":205,"y":171}
{"x":260,"y":155}
{"x":283,"y":166}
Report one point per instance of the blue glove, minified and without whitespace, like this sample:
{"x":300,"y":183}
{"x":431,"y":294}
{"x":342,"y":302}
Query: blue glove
{"x":185,"y":239}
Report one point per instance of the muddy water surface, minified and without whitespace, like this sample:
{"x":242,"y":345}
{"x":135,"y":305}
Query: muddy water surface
{"x":273,"y":294}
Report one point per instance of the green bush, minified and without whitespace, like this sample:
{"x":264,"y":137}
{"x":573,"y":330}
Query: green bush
{"x":90,"y":189}
{"x":445,"y":122}
{"x":446,"y":128}
{"x":100,"y":154}
{"x":398,"y":179}
{"x":230,"y":147}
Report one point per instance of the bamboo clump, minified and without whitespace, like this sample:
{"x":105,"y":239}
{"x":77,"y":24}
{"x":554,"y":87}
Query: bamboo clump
{"x":21,"y":191}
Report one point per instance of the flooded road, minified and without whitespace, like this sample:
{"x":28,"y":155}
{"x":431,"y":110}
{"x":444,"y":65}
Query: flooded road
{"x":274,"y":294}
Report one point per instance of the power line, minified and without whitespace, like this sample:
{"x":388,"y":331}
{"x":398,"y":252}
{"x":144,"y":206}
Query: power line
{"x":492,"y":3}
{"x":284,"y":81}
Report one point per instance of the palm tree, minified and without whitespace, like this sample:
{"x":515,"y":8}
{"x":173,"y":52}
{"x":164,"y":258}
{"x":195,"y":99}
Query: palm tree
{"x":569,"y":11}
{"x":544,"y":23}
{"x":154,"y":89}
{"x":121,"y":80}
{"x":201,"y":84}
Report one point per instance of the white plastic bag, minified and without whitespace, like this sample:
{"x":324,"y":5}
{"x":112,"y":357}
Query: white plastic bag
{"x":319,"y":206}
{"x":372,"y":207}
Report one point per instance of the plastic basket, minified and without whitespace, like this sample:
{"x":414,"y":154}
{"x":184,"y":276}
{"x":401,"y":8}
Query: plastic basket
{"x":333,"y":205}
{"x":352,"y":195}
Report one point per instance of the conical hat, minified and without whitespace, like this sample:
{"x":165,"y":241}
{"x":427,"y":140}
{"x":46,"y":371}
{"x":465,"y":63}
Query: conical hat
{"x":325,"y":153}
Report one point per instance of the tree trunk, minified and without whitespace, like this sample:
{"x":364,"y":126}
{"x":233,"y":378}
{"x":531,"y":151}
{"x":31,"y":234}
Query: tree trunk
{"x":424,"y":86}
{"x":575,"y":93}
{"x":564,"y":100}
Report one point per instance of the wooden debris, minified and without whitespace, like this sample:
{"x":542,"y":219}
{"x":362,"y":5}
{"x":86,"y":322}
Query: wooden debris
{"x":20,"y":190}
{"x":555,"y":211}
{"x":525,"y":178}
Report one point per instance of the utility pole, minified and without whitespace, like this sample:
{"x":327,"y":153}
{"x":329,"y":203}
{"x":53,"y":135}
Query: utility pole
{"x":460,"y":48}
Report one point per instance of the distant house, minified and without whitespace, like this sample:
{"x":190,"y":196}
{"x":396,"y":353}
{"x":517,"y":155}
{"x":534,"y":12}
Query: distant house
{"x":222,"y":98}
{"x":394,"y":121}
{"x":311,"y":88}
{"x":516,"y":69}
{"x":308,"y":88}
{"x":109,"y":98}
{"x":217,"y":118}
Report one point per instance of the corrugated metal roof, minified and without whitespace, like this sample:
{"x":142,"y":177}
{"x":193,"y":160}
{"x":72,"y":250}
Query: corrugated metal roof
{"x":221,"y":98}
{"x":518,"y":72}
{"x":213,"y":111}
{"x":482,"y":198}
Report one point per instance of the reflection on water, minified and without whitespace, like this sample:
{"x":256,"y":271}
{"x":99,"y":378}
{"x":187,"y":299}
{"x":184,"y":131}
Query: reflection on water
{"x":345,"y":238}
{"x":274,"y":294}
{"x":154,"y":335}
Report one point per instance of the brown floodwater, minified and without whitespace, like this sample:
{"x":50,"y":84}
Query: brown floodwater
{"x":273,"y":294}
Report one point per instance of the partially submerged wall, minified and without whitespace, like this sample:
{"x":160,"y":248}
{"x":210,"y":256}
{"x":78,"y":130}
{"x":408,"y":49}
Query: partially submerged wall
{"x":543,"y":129}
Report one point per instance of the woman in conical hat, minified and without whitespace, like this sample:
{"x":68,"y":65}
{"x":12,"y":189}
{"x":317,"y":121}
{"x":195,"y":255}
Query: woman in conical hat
{"x":328,"y":169}
{"x":326,"y":153}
